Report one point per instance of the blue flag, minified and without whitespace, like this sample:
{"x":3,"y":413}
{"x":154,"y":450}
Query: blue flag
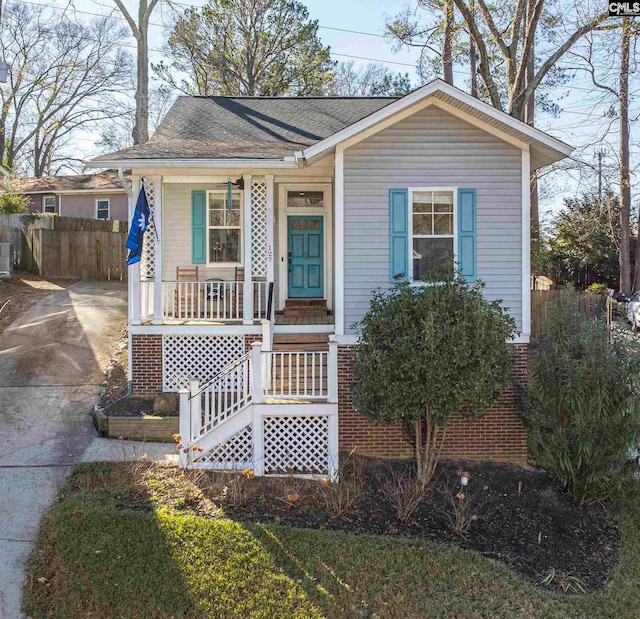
{"x":139,"y":225}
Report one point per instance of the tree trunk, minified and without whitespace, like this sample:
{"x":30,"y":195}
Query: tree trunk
{"x":473,"y":59}
{"x":447,"y":44}
{"x":530,"y":111}
{"x":428,"y":447}
{"x":141,"y":127}
{"x":625,"y":176}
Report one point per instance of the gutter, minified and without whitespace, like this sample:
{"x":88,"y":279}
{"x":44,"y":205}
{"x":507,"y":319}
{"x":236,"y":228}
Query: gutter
{"x":123,"y":181}
{"x":300,"y":159}
{"x":193,"y":163}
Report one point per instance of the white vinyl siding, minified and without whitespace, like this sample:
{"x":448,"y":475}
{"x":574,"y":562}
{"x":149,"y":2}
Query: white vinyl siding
{"x":432,"y":148}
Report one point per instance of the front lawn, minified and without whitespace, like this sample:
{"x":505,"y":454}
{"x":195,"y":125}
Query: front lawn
{"x":132,"y":540}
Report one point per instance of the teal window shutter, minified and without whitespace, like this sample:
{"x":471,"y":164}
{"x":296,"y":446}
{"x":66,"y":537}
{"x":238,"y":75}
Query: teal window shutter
{"x":399,"y":234}
{"x":198,"y":227}
{"x":467,"y":232}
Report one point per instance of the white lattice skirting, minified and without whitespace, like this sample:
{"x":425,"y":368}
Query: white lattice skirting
{"x":235,"y":454}
{"x":196,"y":357}
{"x":291,"y":445}
{"x":297,"y":445}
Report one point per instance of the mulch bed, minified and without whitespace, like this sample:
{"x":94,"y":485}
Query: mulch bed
{"x":525,"y":521}
{"x":130,"y":407}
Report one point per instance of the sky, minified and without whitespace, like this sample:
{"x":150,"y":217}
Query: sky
{"x":354,"y":31}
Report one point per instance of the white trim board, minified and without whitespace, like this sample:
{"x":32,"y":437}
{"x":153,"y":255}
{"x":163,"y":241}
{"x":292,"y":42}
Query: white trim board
{"x":352,"y":340}
{"x":194,"y":329}
{"x":415,"y":97}
{"x":327,"y":215}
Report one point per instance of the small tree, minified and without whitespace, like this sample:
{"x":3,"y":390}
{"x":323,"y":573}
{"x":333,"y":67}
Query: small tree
{"x":584,"y":409}
{"x":11,"y":200}
{"x":428,"y":351}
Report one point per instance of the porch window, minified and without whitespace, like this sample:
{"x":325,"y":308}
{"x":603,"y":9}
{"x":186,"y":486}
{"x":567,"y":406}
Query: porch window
{"x":225,"y":229}
{"x":433,"y":231}
{"x":49,"y":204}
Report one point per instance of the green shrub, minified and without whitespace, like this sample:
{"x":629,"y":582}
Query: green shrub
{"x":425,"y":352}
{"x":596,"y":289}
{"x":584,"y":411}
{"x":11,"y":200}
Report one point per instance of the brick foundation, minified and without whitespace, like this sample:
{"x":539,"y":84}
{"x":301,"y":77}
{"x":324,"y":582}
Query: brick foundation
{"x":499,"y":435}
{"x":146,"y":365}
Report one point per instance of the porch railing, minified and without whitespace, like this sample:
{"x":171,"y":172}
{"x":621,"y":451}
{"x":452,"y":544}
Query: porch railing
{"x":213,"y":301}
{"x":296,"y":374}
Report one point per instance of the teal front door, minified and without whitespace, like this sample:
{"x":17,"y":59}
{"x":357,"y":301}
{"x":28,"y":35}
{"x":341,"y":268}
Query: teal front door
{"x":305,"y":257}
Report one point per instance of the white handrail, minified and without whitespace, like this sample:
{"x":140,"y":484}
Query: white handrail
{"x":297,"y":374}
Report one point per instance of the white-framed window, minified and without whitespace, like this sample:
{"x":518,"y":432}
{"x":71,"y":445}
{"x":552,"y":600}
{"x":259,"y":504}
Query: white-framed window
{"x":48,"y":204}
{"x":433,"y":224}
{"x":224,"y":227}
{"x":103,"y":207}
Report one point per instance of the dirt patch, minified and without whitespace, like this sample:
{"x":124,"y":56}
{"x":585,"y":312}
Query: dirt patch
{"x":130,"y":407}
{"x":23,"y":290}
{"x":523,"y":520}
{"x":115,"y":386}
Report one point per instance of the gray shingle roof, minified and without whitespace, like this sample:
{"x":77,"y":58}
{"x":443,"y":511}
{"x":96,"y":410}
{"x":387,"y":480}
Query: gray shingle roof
{"x":103,"y":181}
{"x":247,"y":127}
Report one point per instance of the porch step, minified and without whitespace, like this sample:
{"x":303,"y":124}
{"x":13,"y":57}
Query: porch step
{"x":305,"y":307}
{"x":301,"y":341}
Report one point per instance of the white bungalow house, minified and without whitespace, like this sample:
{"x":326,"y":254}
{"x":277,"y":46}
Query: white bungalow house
{"x":275,"y":218}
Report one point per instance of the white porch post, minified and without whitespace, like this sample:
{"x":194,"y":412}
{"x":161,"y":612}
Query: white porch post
{"x":134,"y":271}
{"x":185,"y":424}
{"x":196,"y":413}
{"x":270,"y":226}
{"x":333,"y":371}
{"x":339,"y":242}
{"x":334,"y":447}
{"x":257,"y":375}
{"x":157,"y":215}
{"x":247,"y":289}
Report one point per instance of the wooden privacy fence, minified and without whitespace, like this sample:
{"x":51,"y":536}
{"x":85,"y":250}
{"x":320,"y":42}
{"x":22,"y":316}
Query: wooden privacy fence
{"x":591,"y":306}
{"x":71,"y":248}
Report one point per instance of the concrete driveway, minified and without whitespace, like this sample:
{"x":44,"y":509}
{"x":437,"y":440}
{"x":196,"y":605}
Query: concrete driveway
{"x":51,"y":364}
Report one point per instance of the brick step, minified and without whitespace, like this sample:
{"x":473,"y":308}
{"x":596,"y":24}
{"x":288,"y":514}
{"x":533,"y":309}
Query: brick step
{"x":321,"y":303}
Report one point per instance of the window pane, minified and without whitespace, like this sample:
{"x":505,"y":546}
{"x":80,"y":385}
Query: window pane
{"x":216,"y":217}
{"x":422,"y":202}
{"x":422,"y":224}
{"x":224,"y":245}
{"x":443,"y":224}
{"x":443,"y":202}
{"x":305,"y":199}
{"x":429,"y":254}
{"x":217,"y":201}
{"x":232,"y":218}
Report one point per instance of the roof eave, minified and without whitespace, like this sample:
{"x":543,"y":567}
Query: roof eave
{"x":529,"y":133}
{"x":287,"y":162}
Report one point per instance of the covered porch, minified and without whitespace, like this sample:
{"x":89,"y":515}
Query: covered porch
{"x":236,"y":249}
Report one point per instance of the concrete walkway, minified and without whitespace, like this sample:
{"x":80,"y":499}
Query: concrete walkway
{"x":51,"y":364}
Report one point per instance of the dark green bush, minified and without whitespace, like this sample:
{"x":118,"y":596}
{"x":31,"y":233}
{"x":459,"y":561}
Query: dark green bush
{"x":584,"y":411}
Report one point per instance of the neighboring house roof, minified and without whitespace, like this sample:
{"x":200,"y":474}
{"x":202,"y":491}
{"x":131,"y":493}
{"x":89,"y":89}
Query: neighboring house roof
{"x":248,"y":127}
{"x":292,"y":131}
{"x":102,"y":182}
